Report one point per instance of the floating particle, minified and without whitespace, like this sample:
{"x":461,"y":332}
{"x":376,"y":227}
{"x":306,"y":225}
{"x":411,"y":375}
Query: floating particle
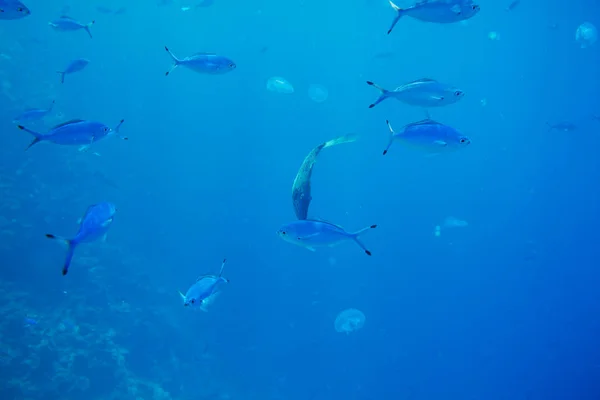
{"x":279,"y":85}
{"x":586,"y":35}
{"x":493,"y":36}
{"x":349,"y":320}
{"x":318,"y":93}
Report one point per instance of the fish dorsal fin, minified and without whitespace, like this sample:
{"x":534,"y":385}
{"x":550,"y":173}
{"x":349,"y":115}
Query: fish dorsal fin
{"x":426,"y":121}
{"x":424,"y":80}
{"x":326,"y":222}
{"x":65,"y":17}
{"x":200,"y":53}
{"x":73,"y":121}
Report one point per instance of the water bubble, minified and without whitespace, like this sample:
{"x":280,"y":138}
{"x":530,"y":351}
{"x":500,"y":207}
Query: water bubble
{"x":586,"y":35}
{"x":349,"y":320}
{"x":279,"y":85}
{"x":318,"y":93}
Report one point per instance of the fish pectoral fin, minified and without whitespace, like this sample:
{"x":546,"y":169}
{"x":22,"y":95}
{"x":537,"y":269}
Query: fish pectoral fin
{"x":438,"y":98}
{"x":441,"y":143}
{"x":85,"y":147}
{"x":104,"y":237}
{"x":311,"y":248}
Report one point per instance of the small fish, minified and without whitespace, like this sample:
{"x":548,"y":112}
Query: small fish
{"x":204,"y":290}
{"x":437,"y":11}
{"x":30,"y":321}
{"x":65,"y":23}
{"x":74,"y":66}
{"x":13,"y":9}
{"x":94,"y":225}
{"x":316,"y":233}
{"x":75,"y":132}
{"x":206,"y":63}
{"x":301,"y":196}
{"x":421,"y":92}
{"x":429,"y":135}
{"x":34,"y":114}
{"x":563,"y":126}
{"x":513,"y":5}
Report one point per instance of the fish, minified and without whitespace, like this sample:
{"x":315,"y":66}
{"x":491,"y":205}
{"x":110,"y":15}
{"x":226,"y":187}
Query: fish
{"x":563,"y":126}
{"x":513,"y":5}
{"x":65,"y":23}
{"x":430,"y":135}
{"x":13,"y":9}
{"x":423,"y":92}
{"x":437,"y":11}
{"x":75,"y":132}
{"x":93,"y":226}
{"x":207,"y":63}
{"x":301,"y":196}
{"x":203,"y":291}
{"x":74,"y":66}
{"x":312,"y":233}
{"x":34,"y":114}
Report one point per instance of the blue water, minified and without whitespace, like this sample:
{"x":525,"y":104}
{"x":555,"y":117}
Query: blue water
{"x":504,"y":308}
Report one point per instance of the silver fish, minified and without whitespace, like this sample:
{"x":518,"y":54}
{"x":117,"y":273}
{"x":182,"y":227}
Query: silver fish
{"x":74,"y":66}
{"x":34,"y":114}
{"x":437,"y":11}
{"x":207,"y":63}
{"x":421,"y":92}
{"x":65,"y":23}
{"x":204,"y":290}
{"x":13,"y":9}
{"x":429,"y":135}
{"x":316,"y":233}
{"x":301,"y":196}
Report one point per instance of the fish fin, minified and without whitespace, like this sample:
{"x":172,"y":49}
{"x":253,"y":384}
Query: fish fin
{"x":440,"y":143}
{"x":222,"y":266}
{"x":85,"y":147}
{"x":349,"y":138}
{"x":37,"y":139}
{"x":181,"y":295}
{"x":176,"y":61}
{"x":384,"y":94}
{"x":62,"y":76}
{"x":307,"y":236}
{"x":87,"y":28}
{"x":397,"y":18}
{"x":104,"y":237}
{"x":438,"y":98}
{"x":117,"y":130}
{"x":427,"y":115}
{"x":70,"y":251}
{"x":356,"y":235}
{"x":391,"y":137}
{"x":310,"y":248}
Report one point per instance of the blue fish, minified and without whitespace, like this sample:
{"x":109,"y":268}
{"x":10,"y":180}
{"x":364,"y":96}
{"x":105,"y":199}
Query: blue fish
{"x":207,"y":63}
{"x":74,"y":66}
{"x":75,"y":132}
{"x":429,"y":135}
{"x":201,"y":293}
{"x":13,"y":9}
{"x":34,"y":114}
{"x":316,"y":233}
{"x":437,"y":11}
{"x":65,"y":23}
{"x":563,"y":126}
{"x":94,"y":225}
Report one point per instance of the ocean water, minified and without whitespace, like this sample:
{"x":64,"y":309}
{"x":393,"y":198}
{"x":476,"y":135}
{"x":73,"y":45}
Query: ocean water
{"x":506,"y":307}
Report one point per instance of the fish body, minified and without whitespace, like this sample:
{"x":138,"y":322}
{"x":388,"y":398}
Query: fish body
{"x":429,"y":135}
{"x":203,"y":291}
{"x":437,"y":11}
{"x":74,"y":132}
{"x":93,"y":226}
{"x":513,"y":5}
{"x":65,"y":24}
{"x":301,"y":189}
{"x":34,"y":114}
{"x":13,"y":9}
{"x":311,"y":234}
{"x":422,"y":93}
{"x":206,"y":63}
{"x":74,"y":66}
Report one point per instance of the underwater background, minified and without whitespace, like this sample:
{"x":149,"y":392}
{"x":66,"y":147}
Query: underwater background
{"x":503,"y":305}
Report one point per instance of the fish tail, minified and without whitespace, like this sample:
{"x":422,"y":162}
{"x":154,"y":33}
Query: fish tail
{"x":87,"y":28}
{"x":384,"y":94}
{"x":71,"y":244}
{"x":62,"y":76}
{"x":356,"y":236}
{"x":37,"y":136}
{"x":391,"y":137}
{"x":397,"y":18}
{"x":176,"y":61}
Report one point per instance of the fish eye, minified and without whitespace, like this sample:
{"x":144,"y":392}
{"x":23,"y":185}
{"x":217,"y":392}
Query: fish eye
{"x":283,"y":232}
{"x":231,"y":65}
{"x":463,"y":140}
{"x":458,"y":93}
{"x":105,"y":129}
{"x":192,"y":301}
{"x":475,"y":7}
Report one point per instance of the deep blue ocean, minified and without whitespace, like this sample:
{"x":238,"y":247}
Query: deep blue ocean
{"x":504,"y":306}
